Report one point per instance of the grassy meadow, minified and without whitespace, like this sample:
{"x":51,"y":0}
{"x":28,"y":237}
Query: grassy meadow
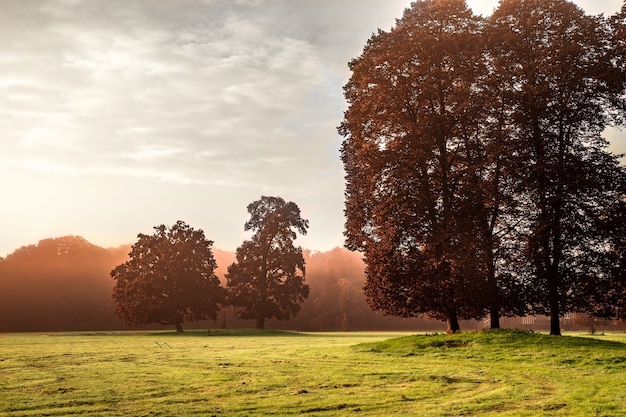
{"x":504,"y":373}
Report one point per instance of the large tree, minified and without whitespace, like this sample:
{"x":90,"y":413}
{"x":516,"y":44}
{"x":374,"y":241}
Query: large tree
{"x":267,"y":280}
{"x":477,"y":174}
{"x":416,"y":165}
{"x":562,"y":86}
{"x":169,"y":278}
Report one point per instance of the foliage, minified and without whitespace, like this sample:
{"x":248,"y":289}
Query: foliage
{"x":46,"y":288}
{"x":425,"y":184}
{"x":412,"y":154}
{"x":477,"y":176}
{"x":554,"y":64}
{"x":478,"y":374}
{"x":58,"y":284}
{"x":169,"y":278}
{"x":267,"y":278}
{"x":337,"y":301}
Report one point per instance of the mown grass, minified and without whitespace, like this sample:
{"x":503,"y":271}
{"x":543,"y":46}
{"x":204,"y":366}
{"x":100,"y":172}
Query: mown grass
{"x":505,"y":373}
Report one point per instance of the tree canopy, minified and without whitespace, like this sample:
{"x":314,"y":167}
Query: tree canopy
{"x":267,"y":280}
{"x":475,"y":166}
{"x":411,"y":141}
{"x":560,"y":71}
{"x":58,"y":284}
{"x":169,"y":278}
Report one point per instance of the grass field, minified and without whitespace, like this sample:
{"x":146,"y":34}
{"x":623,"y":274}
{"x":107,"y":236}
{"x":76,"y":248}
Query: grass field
{"x":362,"y":374}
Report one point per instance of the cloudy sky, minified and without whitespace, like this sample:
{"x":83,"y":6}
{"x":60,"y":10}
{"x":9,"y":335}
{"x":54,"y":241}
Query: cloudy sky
{"x":118,"y":115}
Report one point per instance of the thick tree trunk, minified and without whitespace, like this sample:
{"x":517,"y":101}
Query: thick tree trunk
{"x":555,"y":317}
{"x":489,"y":258}
{"x":179,"y":327}
{"x":494,"y":299}
{"x":554,"y":301}
{"x":494,"y":317}
{"x":260,"y":323}
{"x":452,"y":323}
{"x":555,"y":324}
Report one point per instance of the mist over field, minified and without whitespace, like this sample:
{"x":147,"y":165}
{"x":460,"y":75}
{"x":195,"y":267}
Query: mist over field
{"x":63,"y":284}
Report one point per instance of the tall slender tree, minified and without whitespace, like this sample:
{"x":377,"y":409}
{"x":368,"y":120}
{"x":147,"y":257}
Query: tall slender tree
{"x":267,"y":280}
{"x":562,"y":89}
{"x":412,"y":154}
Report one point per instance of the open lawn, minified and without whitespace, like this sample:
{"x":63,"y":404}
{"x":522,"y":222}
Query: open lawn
{"x":273,"y":373}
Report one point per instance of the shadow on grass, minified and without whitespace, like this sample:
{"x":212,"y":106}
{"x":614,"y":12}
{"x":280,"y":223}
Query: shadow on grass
{"x":230,"y":333}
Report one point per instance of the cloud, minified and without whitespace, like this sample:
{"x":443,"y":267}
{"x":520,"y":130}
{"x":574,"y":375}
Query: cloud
{"x":116,"y":115}
{"x":123,"y":91}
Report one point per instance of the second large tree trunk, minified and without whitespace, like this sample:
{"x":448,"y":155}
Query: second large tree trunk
{"x":452,"y":323}
{"x":494,"y":299}
{"x":179,"y":327}
{"x":260,"y":323}
{"x":555,"y":313}
{"x":555,"y":324}
{"x":495,"y":317}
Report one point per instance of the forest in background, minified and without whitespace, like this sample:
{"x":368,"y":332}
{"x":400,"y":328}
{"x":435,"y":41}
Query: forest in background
{"x":64,"y":284}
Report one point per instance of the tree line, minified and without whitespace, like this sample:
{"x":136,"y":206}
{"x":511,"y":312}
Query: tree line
{"x":64,"y":284}
{"x":478,"y":182}
{"x":170,"y":276}
{"x":174,"y":275}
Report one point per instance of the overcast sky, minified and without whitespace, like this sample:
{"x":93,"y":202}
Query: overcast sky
{"x":118,"y":115}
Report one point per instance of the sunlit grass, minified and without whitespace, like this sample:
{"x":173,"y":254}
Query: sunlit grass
{"x":274,"y":373}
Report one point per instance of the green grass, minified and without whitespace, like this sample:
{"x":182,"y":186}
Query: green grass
{"x":505,"y":373}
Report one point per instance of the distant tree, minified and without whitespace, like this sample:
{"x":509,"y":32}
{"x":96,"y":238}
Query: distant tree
{"x":267,"y":279}
{"x":59,"y":284}
{"x":336,"y":301}
{"x":416,"y":165}
{"x":169,"y":279}
{"x":563,"y":85}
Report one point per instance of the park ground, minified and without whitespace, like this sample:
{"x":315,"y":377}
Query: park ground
{"x":250,"y":373}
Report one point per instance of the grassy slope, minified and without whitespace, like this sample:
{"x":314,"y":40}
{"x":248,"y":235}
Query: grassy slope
{"x":486,"y":374}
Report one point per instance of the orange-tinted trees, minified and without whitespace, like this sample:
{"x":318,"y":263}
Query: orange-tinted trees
{"x":58,"y":284}
{"x":169,"y":278}
{"x":267,"y":279}
{"x":413,"y":158}
{"x":336,"y":301}
{"x":477,"y":174}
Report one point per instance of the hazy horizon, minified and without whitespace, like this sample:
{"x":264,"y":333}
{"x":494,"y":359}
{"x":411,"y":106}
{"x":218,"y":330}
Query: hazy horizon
{"x":117,"y":117}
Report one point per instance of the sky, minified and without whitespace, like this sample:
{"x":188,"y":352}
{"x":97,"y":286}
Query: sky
{"x":117,"y":116}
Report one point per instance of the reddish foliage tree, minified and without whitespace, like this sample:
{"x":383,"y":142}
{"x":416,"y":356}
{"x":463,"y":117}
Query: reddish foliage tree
{"x":477,"y":174}
{"x":169,"y":279}
{"x":267,"y":278}
{"x":563,"y":85}
{"x":412,"y":142}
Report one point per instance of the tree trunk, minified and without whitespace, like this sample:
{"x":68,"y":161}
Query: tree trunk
{"x":260,"y":322}
{"x":555,"y":324}
{"x":452,"y":323}
{"x":555,"y":320}
{"x":494,"y":299}
{"x":554,"y":302}
{"x":494,"y":317}
{"x":179,"y":327}
{"x":489,"y":258}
